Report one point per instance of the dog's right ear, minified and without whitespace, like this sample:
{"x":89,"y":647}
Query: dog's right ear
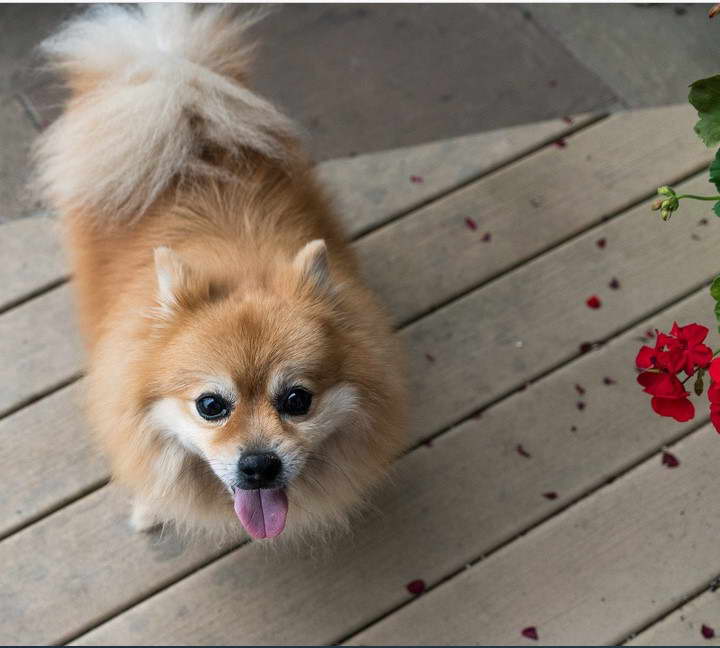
{"x":173,"y":279}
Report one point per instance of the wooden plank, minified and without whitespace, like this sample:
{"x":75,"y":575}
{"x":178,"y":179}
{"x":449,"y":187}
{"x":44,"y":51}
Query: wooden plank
{"x":540,"y":305}
{"x":591,"y":575}
{"x":418,"y":263}
{"x":683,"y":627}
{"x":371,"y":189}
{"x":83,"y":561}
{"x":510,"y":302}
{"x":39,"y":348}
{"x":31,"y":258}
{"x":46,"y":458}
{"x":366,"y":189}
{"x":534,"y":318}
{"x":437,"y":248}
{"x":450,"y":502}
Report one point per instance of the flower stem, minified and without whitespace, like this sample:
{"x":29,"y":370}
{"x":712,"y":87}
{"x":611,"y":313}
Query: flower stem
{"x":694,"y":197}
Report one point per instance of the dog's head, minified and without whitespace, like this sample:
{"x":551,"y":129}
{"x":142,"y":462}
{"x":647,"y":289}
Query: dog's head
{"x":257,"y":384}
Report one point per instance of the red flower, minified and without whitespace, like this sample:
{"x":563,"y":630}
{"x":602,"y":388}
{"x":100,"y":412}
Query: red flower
{"x":714,"y":393}
{"x":593,"y":302}
{"x":682,"y":350}
{"x":681,"y":409}
{"x":689,"y":339}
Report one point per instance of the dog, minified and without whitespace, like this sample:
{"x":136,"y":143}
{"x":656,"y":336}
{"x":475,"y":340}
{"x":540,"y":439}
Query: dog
{"x":238,"y":367}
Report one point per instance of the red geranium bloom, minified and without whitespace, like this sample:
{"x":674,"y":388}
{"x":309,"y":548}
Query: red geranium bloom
{"x":690,"y":340}
{"x":714,"y":393}
{"x":714,"y":370}
{"x":681,"y":409}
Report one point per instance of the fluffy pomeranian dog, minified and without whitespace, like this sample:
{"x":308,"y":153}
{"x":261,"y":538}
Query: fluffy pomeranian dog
{"x":238,"y":367}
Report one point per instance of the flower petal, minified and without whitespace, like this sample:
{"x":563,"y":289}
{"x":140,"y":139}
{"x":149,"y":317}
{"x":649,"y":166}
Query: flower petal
{"x":681,"y":409}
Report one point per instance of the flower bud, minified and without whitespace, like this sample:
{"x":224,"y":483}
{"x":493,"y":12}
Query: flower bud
{"x":665,"y":214}
{"x":699,"y":386}
{"x":665,"y":191}
{"x":656,"y":205}
{"x":665,"y":204}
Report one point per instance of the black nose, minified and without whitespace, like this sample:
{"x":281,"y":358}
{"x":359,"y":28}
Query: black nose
{"x":258,"y":470}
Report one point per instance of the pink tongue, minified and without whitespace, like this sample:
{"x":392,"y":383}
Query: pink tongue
{"x":262,"y":511}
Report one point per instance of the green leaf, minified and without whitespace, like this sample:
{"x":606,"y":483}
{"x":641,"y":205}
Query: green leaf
{"x":705,"y":97}
{"x":715,"y":171}
{"x":717,"y":311}
{"x":715,"y":289}
{"x":716,"y":208}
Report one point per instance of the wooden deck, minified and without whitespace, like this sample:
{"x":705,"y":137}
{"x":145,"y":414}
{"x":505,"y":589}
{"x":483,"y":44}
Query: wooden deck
{"x":628,"y":549}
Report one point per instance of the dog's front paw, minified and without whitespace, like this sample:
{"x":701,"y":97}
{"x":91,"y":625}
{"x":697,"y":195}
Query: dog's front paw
{"x":142,"y":519}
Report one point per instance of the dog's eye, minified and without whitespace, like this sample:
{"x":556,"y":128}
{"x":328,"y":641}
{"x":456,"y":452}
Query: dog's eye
{"x":212,"y":407}
{"x":295,"y":402}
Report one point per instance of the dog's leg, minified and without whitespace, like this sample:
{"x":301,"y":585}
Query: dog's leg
{"x":142,"y":519}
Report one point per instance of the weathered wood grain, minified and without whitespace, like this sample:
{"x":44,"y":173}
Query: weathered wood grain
{"x":592,"y":574}
{"x":82,"y":561}
{"x":451,"y":502}
{"x":418,"y":263}
{"x":500,"y":336}
{"x":368,"y":189}
{"x":536,"y":317}
{"x":476,"y":359}
{"x":473,"y":341}
{"x":46,"y":458}
{"x":39,"y":348}
{"x":371,"y":189}
{"x":683,"y":627}
{"x":31,"y":258}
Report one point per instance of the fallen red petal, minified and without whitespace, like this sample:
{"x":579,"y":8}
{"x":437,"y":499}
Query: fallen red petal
{"x":593,"y":302}
{"x":670,"y":460}
{"x":601,"y":243}
{"x":580,"y":389}
{"x":416,"y":586}
{"x":580,"y":405}
{"x":470,"y":223}
{"x":561,"y":143}
{"x":650,"y":334}
{"x":530,"y":633}
{"x":551,"y":495}
{"x":707,"y":632}
{"x":614,"y":284}
{"x":521,"y":451}
{"x":486,"y":237}
{"x":416,"y":179}
{"x":585,"y":347}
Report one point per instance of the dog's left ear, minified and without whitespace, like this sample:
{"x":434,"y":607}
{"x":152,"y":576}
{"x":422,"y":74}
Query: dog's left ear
{"x":311,"y":262}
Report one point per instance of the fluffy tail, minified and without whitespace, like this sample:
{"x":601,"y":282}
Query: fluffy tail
{"x":154,"y":88}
